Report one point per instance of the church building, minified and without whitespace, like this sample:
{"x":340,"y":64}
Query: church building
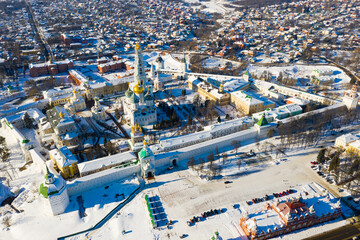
{"x":139,"y":104}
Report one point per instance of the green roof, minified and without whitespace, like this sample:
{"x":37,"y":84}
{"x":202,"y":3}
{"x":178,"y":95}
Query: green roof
{"x":145,"y":152}
{"x":43,"y":190}
{"x":262,"y":121}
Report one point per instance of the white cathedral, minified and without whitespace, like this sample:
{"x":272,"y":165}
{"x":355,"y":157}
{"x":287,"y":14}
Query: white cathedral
{"x":139,"y":107}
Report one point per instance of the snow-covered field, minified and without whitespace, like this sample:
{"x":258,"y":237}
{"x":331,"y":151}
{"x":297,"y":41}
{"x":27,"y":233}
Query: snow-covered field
{"x":212,"y":6}
{"x":184,"y":195}
{"x":302,"y":71}
{"x":213,"y":62}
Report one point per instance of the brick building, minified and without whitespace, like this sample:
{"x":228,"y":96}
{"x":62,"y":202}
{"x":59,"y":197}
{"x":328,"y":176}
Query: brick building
{"x":281,"y":218}
{"x":111,"y":66}
{"x":50,"y":68}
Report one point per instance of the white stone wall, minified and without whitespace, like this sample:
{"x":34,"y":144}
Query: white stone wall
{"x":38,"y":159}
{"x":101,"y":178}
{"x":59,"y":202}
{"x":163,"y":160}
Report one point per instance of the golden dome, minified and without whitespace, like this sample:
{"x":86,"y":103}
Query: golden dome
{"x":137,"y":46}
{"x":138,"y":89}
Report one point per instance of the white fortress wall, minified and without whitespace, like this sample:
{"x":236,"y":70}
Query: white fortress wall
{"x":88,"y":182}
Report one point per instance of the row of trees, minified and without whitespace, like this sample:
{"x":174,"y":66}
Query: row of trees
{"x":172,"y":121}
{"x":307,"y":130}
{"x":213,"y":169}
{"x":345,"y":165}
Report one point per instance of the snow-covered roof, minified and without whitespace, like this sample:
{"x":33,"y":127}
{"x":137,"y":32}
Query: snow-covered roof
{"x":247,"y":98}
{"x":229,"y":124}
{"x":297,"y":100}
{"x":261,"y":218}
{"x":186,"y":139}
{"x":111,"y":160}
{"x":347,"y":138}
{"x":355,"y":144}
{"x":63,"y":156}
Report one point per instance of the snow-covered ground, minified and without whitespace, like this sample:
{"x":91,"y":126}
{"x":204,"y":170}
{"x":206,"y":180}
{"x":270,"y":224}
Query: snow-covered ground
{"x":302,"y":71}
{"x":184,"y":195}
{"x":213,"y":62}
{"x":35,"y":220}
{"x":212,"y":6}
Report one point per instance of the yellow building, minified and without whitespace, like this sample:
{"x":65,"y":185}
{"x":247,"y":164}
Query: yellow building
{"x":249,"y":104}
{"x":65,"y":162}
{"x":207,"y":90}
{"x":354,"y":147}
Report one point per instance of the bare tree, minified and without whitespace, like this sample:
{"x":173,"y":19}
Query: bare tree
{"x":7,"y":221}
{"x":239,"y":163}
{"x":217,"y":151}
{"x":219,"y":170}
{"x":236,"y":144}
{"x":224,"y":157}
{"x":200,"y":165}
{"x":191,"y":163}
{"x":210,"y":159}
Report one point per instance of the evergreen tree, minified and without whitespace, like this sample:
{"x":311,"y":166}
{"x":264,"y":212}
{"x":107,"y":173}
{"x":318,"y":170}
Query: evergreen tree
{"x":117,"y":113}
{"x":335,"y":162}
{"x":321,"y":156}
{"x":219,"y":119}
{"x":27,"y":121}
{"x":162,"y":124}
{"x":189,"y":120}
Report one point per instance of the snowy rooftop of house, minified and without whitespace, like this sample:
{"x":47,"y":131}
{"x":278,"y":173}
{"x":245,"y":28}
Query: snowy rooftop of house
{"x":290,"y":108}
{"x":298,"y":101}
{"x":56,"y":91}
{"x":201,"y":83}
{"x":15,"y":117}
{"x":63,"y":156}
{"x":318,"y":197}
{"x":116,"y":159}
{"x":265,"y":219}
{"x":79,"y":75}
{"x":286,"y":109}
{"x":170,"y":62}
{"x":347,"y":138}
{"x":229,"y":124}
{"x":185,"y":139}
{"x":251,"y":98}
{"x":57,"y":97}
{"x":119,"y":77}
{"x":355,"y":144}
{"x":35,"y":113}
{"x":234,"y":84}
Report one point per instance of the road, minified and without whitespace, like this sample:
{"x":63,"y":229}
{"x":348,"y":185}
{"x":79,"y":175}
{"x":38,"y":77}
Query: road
{"x":342,"y":233}
{"x":45,"y":44}
{"x":346,"y":70}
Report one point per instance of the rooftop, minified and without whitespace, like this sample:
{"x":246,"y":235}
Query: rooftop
{"x":116,"y":159}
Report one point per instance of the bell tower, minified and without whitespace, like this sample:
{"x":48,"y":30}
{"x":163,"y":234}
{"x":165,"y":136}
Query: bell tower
{"x":351,"y":98}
